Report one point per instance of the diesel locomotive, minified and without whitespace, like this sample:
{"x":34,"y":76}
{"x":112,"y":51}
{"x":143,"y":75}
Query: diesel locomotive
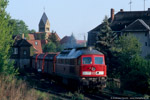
{"x":74,"y":66}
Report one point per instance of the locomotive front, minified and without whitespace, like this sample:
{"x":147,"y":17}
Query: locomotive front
{"x":92,"y":69}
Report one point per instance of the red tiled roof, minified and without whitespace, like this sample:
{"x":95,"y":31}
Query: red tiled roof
{"x":81,"y":41}
{"x":36,"y":45}
{"x":57,"y":37}
{"x":31,"y":36}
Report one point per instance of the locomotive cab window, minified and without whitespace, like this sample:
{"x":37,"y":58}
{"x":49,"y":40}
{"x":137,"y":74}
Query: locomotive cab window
{"x":87,"y":60}
{"x":98,"y":60}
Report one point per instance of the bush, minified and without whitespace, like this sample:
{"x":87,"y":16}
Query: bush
{"x":18,"y":90}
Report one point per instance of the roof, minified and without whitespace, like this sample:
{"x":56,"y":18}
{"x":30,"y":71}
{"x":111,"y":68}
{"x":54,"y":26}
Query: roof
{"x":22,"y":43}
{"x":125,"y":18}
{"x":65,"y":39}
{"x":81,"y":41}
{"x":76,"y":52}
{"x":31,"y":36}
{"x":43,"y":42}
{"x":36,"y":44}
{"x":138,"y":25}
{"x":44,"y":18}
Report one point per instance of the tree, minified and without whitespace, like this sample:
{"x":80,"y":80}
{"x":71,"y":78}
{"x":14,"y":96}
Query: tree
{"x":53,"y":44}
{"x":105,"y":40}
{"x":49,"y":47}
{"x":6,"y":66}
{"x":123,"y":50}
{"x":20,"y":27}
{"x":53,"y":38}
{"x":105,"y":37}
{"x":129,"y":65}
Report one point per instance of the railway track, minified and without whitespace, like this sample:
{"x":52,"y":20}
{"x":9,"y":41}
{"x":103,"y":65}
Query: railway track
{"x":49,"y":86}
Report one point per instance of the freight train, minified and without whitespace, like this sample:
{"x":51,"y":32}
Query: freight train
{"x":83,"y":66}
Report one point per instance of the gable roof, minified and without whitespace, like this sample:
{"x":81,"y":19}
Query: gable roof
{"x":125,"y":18}
{"x":137,"y":25}
{"x":65,"y":39}
{"x":21,"y":43}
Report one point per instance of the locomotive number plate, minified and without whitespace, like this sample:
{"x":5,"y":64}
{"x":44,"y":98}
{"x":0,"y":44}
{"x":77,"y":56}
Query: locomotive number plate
{"x":86,"y":73}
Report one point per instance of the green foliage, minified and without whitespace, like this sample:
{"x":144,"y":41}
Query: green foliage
{"x":53,"y":44}
{"x":105,"y":41}
{"x":6,"y":66}
{"x":125,"y":48}
{"x":19,"y":27}
{"x":31,"y":31}
{"x":133,"y":70}
{"x":138,"y":75}
{"x":53,"y":38}
{"x":49,"y":47}
{"x":77,"y":96}
{"x":105,"y":37}
{"x":41,"y":36}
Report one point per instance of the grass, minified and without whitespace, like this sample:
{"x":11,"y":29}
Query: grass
{"x":18,"y":90}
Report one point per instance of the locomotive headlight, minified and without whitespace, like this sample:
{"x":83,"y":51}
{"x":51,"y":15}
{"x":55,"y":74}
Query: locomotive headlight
{"x":93,"y":68}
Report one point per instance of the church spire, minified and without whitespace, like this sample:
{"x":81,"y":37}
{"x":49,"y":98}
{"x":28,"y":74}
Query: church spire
{"x":44,"y":25}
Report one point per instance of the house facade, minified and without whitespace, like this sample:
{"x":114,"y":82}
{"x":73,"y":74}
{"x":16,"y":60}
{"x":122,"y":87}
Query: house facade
{"x":21,"y":53}
{"x":136,"y":23}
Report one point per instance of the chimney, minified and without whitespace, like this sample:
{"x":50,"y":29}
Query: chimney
{"x":22,"y":35}
{"x":121,"y":10}
{"x":112,"y":14}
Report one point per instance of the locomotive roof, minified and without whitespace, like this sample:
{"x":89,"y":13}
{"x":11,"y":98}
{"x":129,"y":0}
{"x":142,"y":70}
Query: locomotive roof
{"x":76,"y":52}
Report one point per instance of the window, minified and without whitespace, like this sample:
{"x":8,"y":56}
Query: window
{"x":47,"y":29}
{"x":87,"y":60}
{"x":15,"y":50}
{"x":36,"y":43}
{"x":24,"y":52}
{"x":145,"y":34}
{"x":98,"y":60}
{"x":145,"y":43}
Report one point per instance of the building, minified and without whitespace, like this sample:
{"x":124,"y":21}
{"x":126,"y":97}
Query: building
{"x":136,"y":23}
{"x":39,"y":39}
{"x":72,"y":42}
{"x":21,"y":53}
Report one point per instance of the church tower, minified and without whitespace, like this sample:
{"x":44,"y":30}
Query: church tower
{"x":44,"y":25}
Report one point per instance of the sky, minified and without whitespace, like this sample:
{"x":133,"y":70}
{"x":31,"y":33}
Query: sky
{"x":70,"y":16}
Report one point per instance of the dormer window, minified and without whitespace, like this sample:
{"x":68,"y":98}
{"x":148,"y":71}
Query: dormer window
{"x":15,"y":50}
{"x":36,"y":43}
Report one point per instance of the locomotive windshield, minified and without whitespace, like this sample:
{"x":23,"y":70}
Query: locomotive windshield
{"x":98,"y":60}
{"x":87,"y":60}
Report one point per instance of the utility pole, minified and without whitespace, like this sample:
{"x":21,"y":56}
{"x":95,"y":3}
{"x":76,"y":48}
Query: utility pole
{"x":130,"y":3}
{"x":144,"y":5}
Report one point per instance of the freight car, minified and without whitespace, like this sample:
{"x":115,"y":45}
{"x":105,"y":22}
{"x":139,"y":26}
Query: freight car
{"x":83,"y":67}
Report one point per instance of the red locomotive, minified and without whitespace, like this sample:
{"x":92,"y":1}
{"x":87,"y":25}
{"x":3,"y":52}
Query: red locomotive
{"x":81,"y":66}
